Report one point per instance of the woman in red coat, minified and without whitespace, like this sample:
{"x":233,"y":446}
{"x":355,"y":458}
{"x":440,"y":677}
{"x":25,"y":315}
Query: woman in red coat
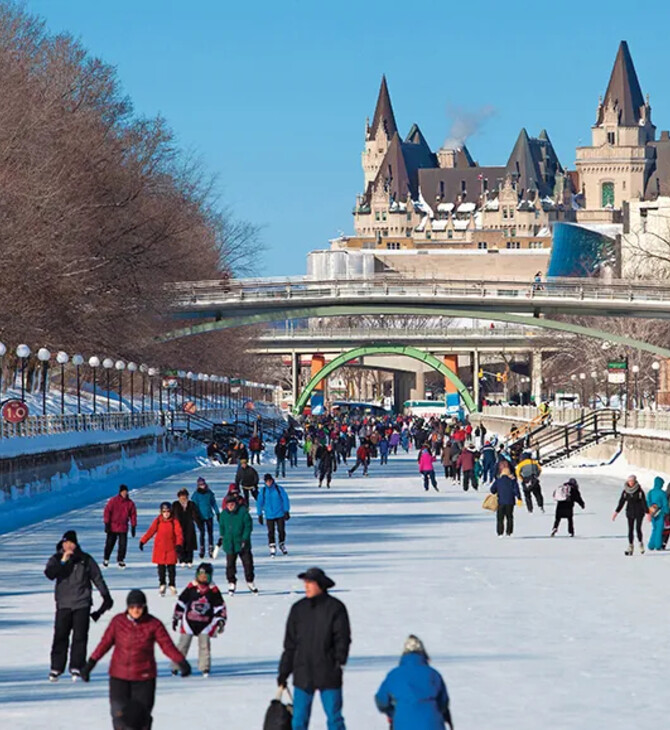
{"x":167,"y":546}
{"x":132,"y":671}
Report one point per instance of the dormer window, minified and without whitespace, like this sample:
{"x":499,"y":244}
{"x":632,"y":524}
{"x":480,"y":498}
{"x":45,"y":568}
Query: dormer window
{"x":611,"y":138}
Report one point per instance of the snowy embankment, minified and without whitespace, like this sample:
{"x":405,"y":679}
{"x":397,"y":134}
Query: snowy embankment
{"x":529,"y":632}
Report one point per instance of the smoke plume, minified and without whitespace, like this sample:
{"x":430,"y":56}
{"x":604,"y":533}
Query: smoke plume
{"x":465,"y":123}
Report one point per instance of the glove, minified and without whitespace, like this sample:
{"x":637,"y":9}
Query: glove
{"x":141,"y":545}
{"x":184,"y":668}
{"x":519,"y":503}
{"x":220,"y":627}
{"x":287,"y":516}
{"x":220,"y":542}
{"x":175,"y":622}
{"x":107,"y":603}
{"x":260,"y":519}
{"x":96,"y":614}
{"x":86,"y":670}
{"x":106,"y":527}
{"x":132,"y":531}
{"x":179,"y":552}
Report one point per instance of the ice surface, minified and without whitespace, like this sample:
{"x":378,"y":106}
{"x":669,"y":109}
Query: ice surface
{"x":529,"y":632}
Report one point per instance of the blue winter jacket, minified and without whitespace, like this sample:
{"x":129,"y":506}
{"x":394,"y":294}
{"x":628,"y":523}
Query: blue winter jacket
{"x":383,"y":446}
{"x":414,"y":695}
{"x":507,"y":490}
{"x":656,"y":495}
{"x":205,"y":501}
{"x":488,"y":457}
{"x":274,"y":501}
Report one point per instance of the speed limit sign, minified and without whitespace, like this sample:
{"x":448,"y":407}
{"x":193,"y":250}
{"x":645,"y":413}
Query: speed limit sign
{"x":15,"y":411}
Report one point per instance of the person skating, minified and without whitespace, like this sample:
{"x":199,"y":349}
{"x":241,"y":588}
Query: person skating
{"x":327,"y":465}
{"x":188,"y":515}
{"x":507,"y":489}
{"x":168,"y":543}
{"x":281,"y":452}
{"x":362,"y":459}
{"x":205,"y":503}
{"x":246,"y":479}
{"x":384,"y":451}
{"x":236,"y":526}
{"x":316,"y":647}
{"x":200,"y":612}
{"x":529,"y":470}
{"x":132,"y":669}
{"x":565,"y":496}
{"x":466,"y":463}
{"x":636,"y":508}
{"x":119,"y":512}
{"x":657,"y":502}
{"x":255,"y":448}
{"x":75,"y":572}
{"x":273,"y":506}
{"x":488,"y":462}
{"x":426,"y":468}
{"x":414,"y":695}
{"x":293,"y":450}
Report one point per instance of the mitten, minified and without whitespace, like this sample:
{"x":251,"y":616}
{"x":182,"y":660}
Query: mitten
{"x":287,"y":516}
{"x":184,"y":668}
{"x":141,"y":544}
{"x":96,"y":614}
{"x":132,"y":531}
{"x":86,"y":670}
{"x":260,"y":519}
{"x":106,"y":527}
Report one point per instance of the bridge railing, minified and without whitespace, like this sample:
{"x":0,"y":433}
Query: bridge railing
{"x":402,"y":333}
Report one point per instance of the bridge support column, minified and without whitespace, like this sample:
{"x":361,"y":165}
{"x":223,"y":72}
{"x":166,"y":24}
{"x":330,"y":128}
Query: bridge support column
{"x":475,"y":379}
{"x":418,"y":392}
{"x":536,"y":376}
{"x":295,"y":376}
{"x":319,"y":395}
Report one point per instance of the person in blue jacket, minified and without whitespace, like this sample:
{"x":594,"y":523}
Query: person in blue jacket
{"x":507,"y":489}
{"x":413,"y":695}
{"x":274,"y":505}
{"x":657,"y":501}
{"x":488,"y":462}
{"x":205,"y":503}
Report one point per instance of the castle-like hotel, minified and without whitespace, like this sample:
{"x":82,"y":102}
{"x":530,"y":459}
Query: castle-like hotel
{"x":417,"y":201}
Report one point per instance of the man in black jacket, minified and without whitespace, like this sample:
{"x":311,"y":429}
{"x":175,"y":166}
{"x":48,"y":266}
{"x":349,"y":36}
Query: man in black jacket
{"x":74,"y":571}
{"x":316,"y":647}
{"x":247,"y":478}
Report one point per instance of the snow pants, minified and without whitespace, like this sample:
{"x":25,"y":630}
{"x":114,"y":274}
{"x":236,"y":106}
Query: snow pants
{"x":505,"y":519}
{"x":656,"y":537}
{"x":131,"y":703}
{"x":489,"y":472}
{"x":429,"y":476}
{"x":248,"y":492}
{"x":170,"y":570}
{"x":68,"y":621}
{"x":532,"y":489}
{"x":110,"y":541}
{"x":565,"y":510}
{"x":280,"y":525}
{"x":281,"y":464}
{"x":469,"y":479}
{"x":358,"y":463}
{"x":383,"y":457}
{"x":204,"y":650}
{"x":247,"y":563}
{"x":331,"y":700}
{"x":635,"y":526}
{"x":327,"y":475}
{"x":207,"y":525}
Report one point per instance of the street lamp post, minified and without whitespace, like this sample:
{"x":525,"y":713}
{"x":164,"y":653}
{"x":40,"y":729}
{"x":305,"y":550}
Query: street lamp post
{"x":108,"y":364}
{"x":94,"y":364}
{"x":656,"y":366}
{"x":582,"y":378}
{"x":77,"y":361}
{"x":594,"y":382}
{"x":151,"y":372}
{"x":132,"y":369}
{"x":636,"y":371}
{"x":62,"y":358}
{"x":143,"y":370}
{"x":3,"y":350}
{"x":607,"y":387}
{"x":181,"y":375}
{"x":43,"y":355}
{"x":23,"y":352}
{"x":120,"y":367}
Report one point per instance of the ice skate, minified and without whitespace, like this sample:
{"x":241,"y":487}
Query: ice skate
{"x":205,"y":675}
{"x":173,"y":590}
{"x":53,"y":675}
{"x":629,"y":550}
{"x":641,"y":548}
{"x":161,"y":590}
{"x":282,"y":547}
{"x":231,"y":589}
{"x":202,"y":552}
{"x":211,"y":551}
{"x":252,"y":587}
{"x":121,"y":564}
{"x":75,"y":674}
{"x":553,"y":532}
{"x":105,"y":563}
{"x":273,"y":550}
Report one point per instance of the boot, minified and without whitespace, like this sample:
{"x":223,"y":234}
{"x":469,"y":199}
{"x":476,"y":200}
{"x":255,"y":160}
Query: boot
{"x":641,"y":548}
{"x":282,"y":547}
{"x":629,"y":550}
{"x":273,"y":550}
{"x":252,"y":587}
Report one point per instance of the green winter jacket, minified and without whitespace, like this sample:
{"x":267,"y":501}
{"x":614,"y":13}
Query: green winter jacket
{"x":235,"y":527}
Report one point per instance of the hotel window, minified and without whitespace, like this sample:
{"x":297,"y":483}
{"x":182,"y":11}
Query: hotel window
{"x":376,"y":215}
{"x":482,"y":244}
{"x":504,"y":210}
{"x":450,"y":233}
{"x":383,"y":215}
{"x":610,"y":138}
{"x":513,"y":244}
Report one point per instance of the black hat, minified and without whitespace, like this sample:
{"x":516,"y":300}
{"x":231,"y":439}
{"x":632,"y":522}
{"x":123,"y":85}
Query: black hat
{"x":70,"y":536}
{"x":319,"y":577}
{"x":268,"y":476}
{"x":166,"y":505}
{"x":123,"y":488}
{"x":207,"y":567}
{"x":136,"y":597}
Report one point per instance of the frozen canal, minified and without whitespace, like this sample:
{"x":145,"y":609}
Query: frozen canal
{"x":528,"y":632}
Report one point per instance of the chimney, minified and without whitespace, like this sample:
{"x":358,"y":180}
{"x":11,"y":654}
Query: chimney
{"x":665,"y":136}
{"x":446,"y":158}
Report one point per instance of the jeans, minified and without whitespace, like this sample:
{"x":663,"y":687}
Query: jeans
{"x":209,"y":526}
{"x":137,"y":697}
{"x":331,"y":700}
{"x":383,"y":457}
{"x":293,"y":458}
{"x":110,"y":541}
{"x":281,"y":464}
{"x":75,"y":621}
{"x":257,"y":455}
{"x":429,"y":476}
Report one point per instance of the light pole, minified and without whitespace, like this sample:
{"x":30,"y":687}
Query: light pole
{"x":181,"y":374}
{"x":43,"y":355}
{"x":23,"y":352}
{"x":77,"y":361}
{"x":582,"y":378}
{"x":3,"y":351}
{"x":120,"y":367}
{"x":594,"y":381}
{"x":94,"y":364}
{"x":62,"y":358}
{"x":143,"y":370}
{"x":636,"y":370}
{"x":132,"y":369}
{"x":607,"y":387}
{"x":108,"y":364}
{"x":656,"y":366}
{"x":151,"y":372}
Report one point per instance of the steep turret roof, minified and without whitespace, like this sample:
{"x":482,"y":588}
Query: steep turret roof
{"x":624,"y":88}
{"x":383,"y":113}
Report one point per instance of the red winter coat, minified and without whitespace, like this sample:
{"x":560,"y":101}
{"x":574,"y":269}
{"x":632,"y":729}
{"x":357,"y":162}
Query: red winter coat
{"x":133,"y":641}
{"x":168,"y":536}
{"x":118,"y":512}
{"x":466,"y":460}
{"x":362,"y":452}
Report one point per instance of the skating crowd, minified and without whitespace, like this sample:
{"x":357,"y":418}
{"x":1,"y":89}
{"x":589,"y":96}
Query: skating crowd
{"x":317,"y":637}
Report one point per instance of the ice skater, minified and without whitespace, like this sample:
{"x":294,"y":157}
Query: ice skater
{"x":507,"y":489}
{"x":633,"y":498}
{"x":657,"y":501}
{"x":565,"y":496}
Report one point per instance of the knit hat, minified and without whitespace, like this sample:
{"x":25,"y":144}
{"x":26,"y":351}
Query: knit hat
{"x":136,"y":597}
{"x":658,"y":483}
{"x":123,"y":488}
{"x":207,"y":567}
{"x":70,"y":536}
{"x":166,"y":505}
{"x":414,"y":645}
{"x":268,"y":478}
{"x":201,"y":482}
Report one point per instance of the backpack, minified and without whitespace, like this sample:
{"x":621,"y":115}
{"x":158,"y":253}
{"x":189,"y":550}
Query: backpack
{"x":279,"y":715}
{"x":562,"y":493}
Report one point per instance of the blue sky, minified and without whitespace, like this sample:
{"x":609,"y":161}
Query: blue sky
{"x":273,"y":95}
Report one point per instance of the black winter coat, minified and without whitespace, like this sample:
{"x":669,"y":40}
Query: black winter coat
{"x":74,"y":577}
{"x":327,"y":462}
{"x":316,"y":643}
{"x":247,"y":477}
{"x":188,"y":519}
{"x":636,"y":503}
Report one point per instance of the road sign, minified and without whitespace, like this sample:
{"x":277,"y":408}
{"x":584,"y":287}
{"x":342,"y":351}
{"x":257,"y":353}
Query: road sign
{"x":617,"y":376}
{"x":617,"y":365}
{"x":15,"y":411}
